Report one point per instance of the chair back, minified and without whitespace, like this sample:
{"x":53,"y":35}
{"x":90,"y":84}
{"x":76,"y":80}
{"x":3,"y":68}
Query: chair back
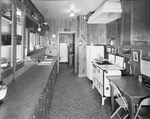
{"x":118,"y":94}
{"x":145,"y":101}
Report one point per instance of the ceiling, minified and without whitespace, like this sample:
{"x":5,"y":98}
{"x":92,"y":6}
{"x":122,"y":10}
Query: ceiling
{"x":60,"y":9}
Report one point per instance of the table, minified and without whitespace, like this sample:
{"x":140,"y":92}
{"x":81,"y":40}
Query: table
{"x":131,"y":88}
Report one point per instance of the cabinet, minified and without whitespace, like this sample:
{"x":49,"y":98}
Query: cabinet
{"x":42,"y":108}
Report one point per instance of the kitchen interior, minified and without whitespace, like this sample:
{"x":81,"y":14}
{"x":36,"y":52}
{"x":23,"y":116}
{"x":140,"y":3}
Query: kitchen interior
{"x":106,"y":42}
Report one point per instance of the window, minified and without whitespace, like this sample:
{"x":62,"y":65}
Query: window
{"x":6,"y":35}
{"x":19,"y":48}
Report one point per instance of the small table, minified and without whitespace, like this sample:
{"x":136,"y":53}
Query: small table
{"x":131,"y":88}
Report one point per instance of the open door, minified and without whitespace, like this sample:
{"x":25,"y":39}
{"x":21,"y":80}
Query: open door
{"x":61,"y":51}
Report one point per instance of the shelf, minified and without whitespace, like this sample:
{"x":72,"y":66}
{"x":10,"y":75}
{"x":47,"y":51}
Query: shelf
{"x":6,"y":19}
{"x":35,"y":51}
{"x":9,"y":20}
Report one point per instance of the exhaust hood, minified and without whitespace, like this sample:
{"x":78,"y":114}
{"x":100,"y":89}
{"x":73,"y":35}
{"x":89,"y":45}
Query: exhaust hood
{"x":109,"y":11}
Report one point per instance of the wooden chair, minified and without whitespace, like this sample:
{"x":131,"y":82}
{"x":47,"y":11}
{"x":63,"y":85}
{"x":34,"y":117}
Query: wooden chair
{"x":121,"y":101}
{"x":143,"y":111}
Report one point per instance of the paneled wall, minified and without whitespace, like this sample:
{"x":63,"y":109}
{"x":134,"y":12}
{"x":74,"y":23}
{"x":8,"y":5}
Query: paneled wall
{"x":59,"y":25}
{"x":96,"y":33}
{"x":82,"y":42}
{"x":139,"y":22}
{"x":134,"y":30}
{"x":125,"y":22}
{"x":87,"y":34}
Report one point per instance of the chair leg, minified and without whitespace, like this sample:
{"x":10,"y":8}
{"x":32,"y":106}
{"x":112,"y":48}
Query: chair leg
{"x":126,"y":116}
{"x":119,"y":116}
{"x":115,"y":112}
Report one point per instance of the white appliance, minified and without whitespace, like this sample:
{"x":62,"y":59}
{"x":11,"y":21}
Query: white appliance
{"x":63,"y":52}
{"x":101,"y":71}
{"x":93,"y":52}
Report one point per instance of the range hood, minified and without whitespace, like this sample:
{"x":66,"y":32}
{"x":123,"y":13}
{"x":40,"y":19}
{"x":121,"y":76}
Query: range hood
{"x":109,"y":11}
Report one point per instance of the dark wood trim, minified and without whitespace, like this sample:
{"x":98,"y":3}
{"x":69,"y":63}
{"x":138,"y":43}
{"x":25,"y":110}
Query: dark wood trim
{"x":135,"y":47}
{"x":14,"y":38}
{"x":36,"y":22}
{"x":35,"y":51}
{"x":19,"y":65}
{"x":6,"y":73}
{"x":9,"y":71}
{"x":0,"y":33}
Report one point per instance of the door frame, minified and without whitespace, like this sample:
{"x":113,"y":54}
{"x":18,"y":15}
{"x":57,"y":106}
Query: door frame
{"x":75,"y":54}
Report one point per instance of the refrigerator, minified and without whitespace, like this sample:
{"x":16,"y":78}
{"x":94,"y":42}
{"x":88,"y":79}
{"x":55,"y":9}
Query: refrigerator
{"x":63,"y":52}
{"x":93,"y":52}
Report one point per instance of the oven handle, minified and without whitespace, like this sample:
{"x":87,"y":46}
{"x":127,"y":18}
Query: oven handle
{"x":94,"y":66}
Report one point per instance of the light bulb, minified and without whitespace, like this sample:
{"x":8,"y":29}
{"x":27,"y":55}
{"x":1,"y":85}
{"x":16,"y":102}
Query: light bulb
{"x":72,"y":14}
{"x":39,"y":28}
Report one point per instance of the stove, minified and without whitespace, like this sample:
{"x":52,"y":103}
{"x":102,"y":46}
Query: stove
{"x":100,"y":73}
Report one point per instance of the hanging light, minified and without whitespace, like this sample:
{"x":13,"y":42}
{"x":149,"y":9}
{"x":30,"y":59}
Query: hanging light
{"x":39,"y":28}
{"x":53,"y":36}
{"x":45,"y":23}
{"x":72,"y":14}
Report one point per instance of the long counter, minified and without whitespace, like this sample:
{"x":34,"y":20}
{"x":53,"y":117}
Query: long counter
{"x":30,"y":96}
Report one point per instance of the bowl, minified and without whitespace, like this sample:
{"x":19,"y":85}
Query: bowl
{"x":4,"y":65}
{"x":3,"y":91}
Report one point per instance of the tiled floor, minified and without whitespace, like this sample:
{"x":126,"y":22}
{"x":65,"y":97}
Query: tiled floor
{"x":74,"y":98}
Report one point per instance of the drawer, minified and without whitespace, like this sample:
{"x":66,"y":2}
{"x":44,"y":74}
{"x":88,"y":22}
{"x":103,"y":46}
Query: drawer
{"x":106,"y":87}
{"x":100,"y":88}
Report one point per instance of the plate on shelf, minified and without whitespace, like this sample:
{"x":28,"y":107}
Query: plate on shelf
{"x":4,"y":65}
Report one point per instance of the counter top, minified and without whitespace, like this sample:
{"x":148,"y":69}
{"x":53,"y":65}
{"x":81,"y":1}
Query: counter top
{"x":110,"y":67}
{"x":24,"y":93}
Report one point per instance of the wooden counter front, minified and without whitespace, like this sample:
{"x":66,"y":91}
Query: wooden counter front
{"x":30,"y":96}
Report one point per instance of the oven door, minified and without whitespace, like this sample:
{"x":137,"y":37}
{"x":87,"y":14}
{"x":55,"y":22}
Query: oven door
{"x":94,"y":73}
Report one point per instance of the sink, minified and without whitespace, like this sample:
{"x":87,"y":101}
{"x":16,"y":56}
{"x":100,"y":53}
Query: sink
{"x":48,"y":59}
{"x":45,"y":62}
{"x":104,"y":63}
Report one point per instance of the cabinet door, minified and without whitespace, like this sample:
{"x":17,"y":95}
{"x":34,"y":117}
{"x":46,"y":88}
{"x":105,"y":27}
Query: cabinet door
{"x":35,"y":113}
{"x":100,"y":75}
{"x":100,"y":88}
{"x":42,"y":105}
{"x":47,"y":101}
{"x":106,"y":87}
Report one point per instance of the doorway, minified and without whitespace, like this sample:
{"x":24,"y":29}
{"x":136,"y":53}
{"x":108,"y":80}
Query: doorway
{"x":67,"y":49}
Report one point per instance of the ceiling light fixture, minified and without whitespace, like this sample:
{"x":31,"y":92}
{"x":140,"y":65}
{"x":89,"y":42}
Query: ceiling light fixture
{"x":72,"y":14}
{"x":39,"y":28}
{"x":45,"y":23}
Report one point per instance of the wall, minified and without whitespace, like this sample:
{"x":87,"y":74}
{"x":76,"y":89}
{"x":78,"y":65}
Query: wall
{"x":87,"y":34}
{"x":59,"y":25}
{"x":134,"y":30}
{"x":82,"y":39}
{"x":96,"y":33}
